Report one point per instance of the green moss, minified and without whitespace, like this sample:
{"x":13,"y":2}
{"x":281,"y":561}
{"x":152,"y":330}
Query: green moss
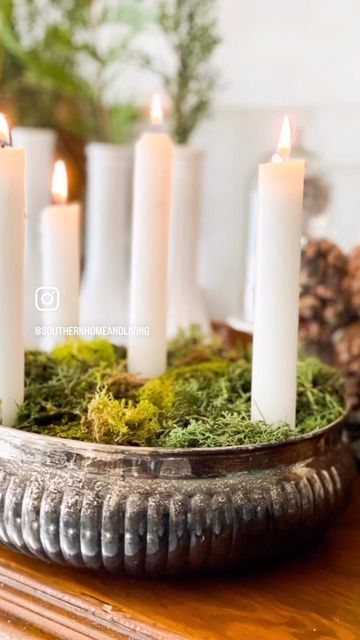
{"x":193,"y":347}
{"x":105,"y":420}
{"x":230,"y":429}
{"x":94,"y":352}
{"x":159,"y":393}
{"x":60,"y":385}
{"x":122,"y":384}
{"x":143,"y":423}
{"x":321,"y":393}
{"x":83,"y":391}
{"x":113,"y":421}
{"x":39,"y":367}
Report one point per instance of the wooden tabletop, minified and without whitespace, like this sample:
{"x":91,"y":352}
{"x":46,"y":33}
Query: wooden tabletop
{"x":313,"y":596}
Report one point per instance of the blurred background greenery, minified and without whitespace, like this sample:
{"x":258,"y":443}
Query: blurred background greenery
{"x":54,"y":71}
{"x":60,"y":58}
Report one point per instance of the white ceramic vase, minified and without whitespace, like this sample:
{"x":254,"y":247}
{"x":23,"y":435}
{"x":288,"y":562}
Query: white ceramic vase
{"x":185,"y":300}
{"x":39,"y":145}
{"x":105,"y":284}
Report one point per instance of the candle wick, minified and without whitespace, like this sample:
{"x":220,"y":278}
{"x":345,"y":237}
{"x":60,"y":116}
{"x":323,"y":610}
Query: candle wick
{"x":6,"y":142}
{"x":157,"y":127}
{"x":285,"y":155}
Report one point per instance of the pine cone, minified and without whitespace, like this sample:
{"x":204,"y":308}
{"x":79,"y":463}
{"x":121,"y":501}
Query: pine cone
{"x":324,"y":295}
{"x":347,"y":349}
{"x":354,"y":280}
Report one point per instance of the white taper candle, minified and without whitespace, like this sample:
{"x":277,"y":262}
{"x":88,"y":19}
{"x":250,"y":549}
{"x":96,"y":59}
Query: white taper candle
{"x":59,"y":298}
{"x":281,"y":185}
{"x":12,"y":223}
{"x":149,"y":260}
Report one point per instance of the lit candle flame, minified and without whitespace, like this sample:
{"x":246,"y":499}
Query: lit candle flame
{"x":59,"y":183}
{"x":156,"y":110}
{"x":284,"y":146}
{"x":4,"y":130}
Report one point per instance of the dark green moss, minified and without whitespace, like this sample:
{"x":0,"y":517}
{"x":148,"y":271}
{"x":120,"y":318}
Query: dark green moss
{"x":60,"y":385}
{"x":83,"y":391}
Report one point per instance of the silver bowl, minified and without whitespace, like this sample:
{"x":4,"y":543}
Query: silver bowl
{"x":154,"y":512}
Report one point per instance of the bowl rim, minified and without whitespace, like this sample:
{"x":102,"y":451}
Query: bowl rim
{"x":91,"y":448}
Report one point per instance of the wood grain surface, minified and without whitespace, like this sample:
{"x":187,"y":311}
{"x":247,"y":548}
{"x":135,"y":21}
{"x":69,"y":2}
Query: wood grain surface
{"x":312,"y":596}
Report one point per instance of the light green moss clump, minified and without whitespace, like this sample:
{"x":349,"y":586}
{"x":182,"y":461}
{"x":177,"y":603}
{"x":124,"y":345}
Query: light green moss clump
{"x":82,"y":390}
{"x":94,"y":352}
{"x":113,"y":421}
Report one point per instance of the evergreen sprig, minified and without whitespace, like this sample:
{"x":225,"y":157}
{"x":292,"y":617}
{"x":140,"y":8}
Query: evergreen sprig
{"x":190,"y":27}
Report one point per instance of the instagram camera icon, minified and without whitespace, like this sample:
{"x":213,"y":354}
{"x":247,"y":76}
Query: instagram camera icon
{"x":47,"y":298}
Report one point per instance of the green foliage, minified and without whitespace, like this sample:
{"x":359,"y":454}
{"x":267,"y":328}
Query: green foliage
{"x":191,"y":30}
{"x":122,"y":384}
{"x":60,"y":399}
{"x":60,"y":385}
{"x":82,"y":390}
{"x":159,"y":393}
{"x":56,"y":61}
{"x":105,"y":420}
{"x":94,"y":352}
{"x":113,"y":421}
{"x":212,"y":405}
{"x":321,"y":391}
{"x":229,"y":430}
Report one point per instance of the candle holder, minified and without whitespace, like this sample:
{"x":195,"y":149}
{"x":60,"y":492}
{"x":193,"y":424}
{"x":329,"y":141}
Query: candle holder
{"x":186,"y":306}
{"x":160,"y":512}
{"x":104,"y":290}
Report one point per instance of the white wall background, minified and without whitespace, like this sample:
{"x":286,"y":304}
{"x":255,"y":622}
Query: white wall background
{"x":290,"y":52}
{"x":281,"y":56}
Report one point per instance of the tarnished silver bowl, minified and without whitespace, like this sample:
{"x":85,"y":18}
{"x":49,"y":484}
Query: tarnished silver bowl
{"x":153,"y":512}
